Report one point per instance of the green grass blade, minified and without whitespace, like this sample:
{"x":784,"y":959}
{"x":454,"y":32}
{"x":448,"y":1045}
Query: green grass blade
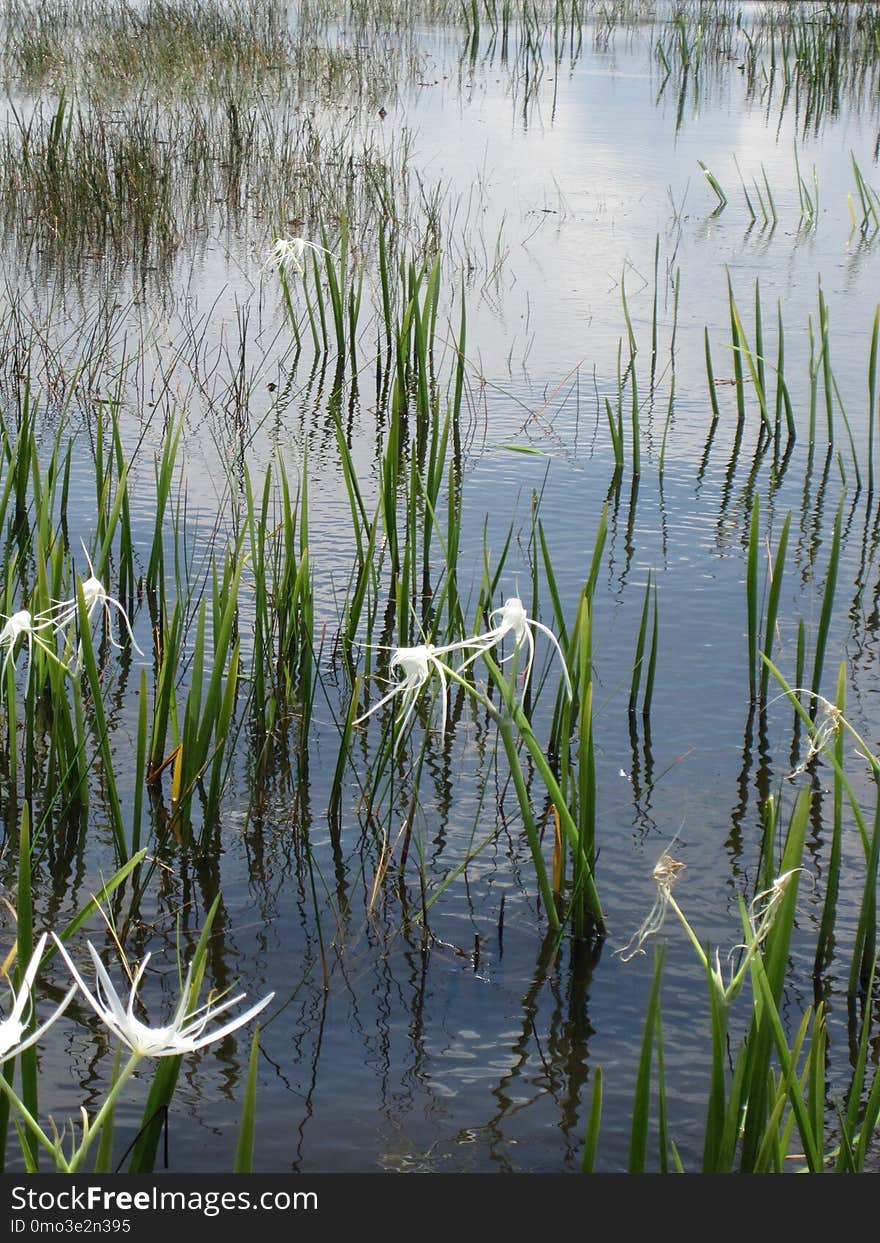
{"x":104,"y":1152}
{"x":244,"y":1148}
{"x":638,"y":1144}
{"x":827,"y":602}
{"x":776,"y":575}
{"x":24,"y":952}
{"x":752,"y":597}
{"x":143,"y":1155}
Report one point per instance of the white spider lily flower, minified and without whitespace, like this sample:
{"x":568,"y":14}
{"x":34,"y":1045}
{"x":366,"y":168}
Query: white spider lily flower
{"x":12,"y":1028}
{"x":513,"y":619}
{"x":416,"y":665}
{"x":289,"y":252}
{"x":23,"y":625}
{"x":95,"y":596}
{"x":184,"y":1034}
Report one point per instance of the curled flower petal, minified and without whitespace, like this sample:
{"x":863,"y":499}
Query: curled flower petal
{"x":95,"y":596}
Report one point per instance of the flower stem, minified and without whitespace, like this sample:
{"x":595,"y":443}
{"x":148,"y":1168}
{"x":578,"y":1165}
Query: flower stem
{"x":105,"y":1110}
{"x":689,"y":930}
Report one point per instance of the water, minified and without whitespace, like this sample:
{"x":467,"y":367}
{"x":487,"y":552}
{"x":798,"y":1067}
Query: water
{"x":470,"y":1045}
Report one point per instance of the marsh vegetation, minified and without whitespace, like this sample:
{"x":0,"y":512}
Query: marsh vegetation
{"x":439,"y":515}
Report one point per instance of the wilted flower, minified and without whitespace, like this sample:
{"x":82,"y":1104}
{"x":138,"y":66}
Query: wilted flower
{"x":665,"y":874}
{"x":759,"y":919}
{"x":821,"y":736}
{"x":12,"y":1028}
{"x":513,"y":619}
{"x":184,"y":1034}
{"x":764,"y":905}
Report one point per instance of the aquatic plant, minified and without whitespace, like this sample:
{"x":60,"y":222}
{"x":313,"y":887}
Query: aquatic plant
{"x":334,"y":544}
{"x":95,"y":597}
{"x":513,"y":619}
{"x":23,"y":625}
{"x":185,"y":1033}
{"x":13,"y":1040}
{"x":416,"y":665}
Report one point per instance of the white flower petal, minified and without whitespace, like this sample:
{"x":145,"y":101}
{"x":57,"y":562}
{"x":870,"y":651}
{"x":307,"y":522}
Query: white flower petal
{"x":232,"y":1026}
{"x":185,"y":1032}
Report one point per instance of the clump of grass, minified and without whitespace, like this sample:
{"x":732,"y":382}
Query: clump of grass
{"x":758,"y":1094}
{"x":138,"y":182}
{"x":869,"y":203}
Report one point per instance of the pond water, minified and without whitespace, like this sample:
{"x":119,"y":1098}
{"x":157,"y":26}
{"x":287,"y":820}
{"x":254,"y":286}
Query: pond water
{"x":569,"y":193}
